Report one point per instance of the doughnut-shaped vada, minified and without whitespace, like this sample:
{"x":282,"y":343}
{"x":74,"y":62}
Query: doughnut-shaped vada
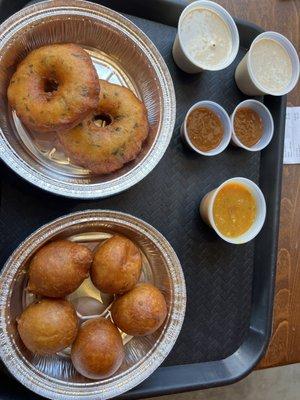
{"x":54,"y":88}
{"x":104,"y":149}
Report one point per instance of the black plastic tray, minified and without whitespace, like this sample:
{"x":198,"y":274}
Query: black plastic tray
{"x":229,"y":287}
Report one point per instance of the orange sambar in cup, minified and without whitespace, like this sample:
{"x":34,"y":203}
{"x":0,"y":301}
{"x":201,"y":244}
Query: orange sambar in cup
{"x":234,"y":209}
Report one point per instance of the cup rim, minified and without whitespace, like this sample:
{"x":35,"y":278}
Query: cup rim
{"x":240,"y":144}
{"x":251,"y":235}
{"x":228,"y":20}
{"x":287,"y":43}
{"x":220,"y":148}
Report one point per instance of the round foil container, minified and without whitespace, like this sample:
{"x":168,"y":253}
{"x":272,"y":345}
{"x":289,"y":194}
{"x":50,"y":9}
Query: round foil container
{"x":54,"y":376}
{"x":121,"y":54}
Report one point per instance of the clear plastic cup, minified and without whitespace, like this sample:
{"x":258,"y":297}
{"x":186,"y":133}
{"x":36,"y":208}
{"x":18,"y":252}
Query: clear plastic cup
{"x":206,"y":211}
{"x":224,"y":117}
{"x":267,"y":120}
{"x":245,"y":78}
{"x":181,"y":57}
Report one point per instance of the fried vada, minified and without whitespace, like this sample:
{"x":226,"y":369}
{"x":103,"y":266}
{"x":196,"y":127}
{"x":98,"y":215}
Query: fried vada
{"x":54,"y":88}
{"x":105,"y":149}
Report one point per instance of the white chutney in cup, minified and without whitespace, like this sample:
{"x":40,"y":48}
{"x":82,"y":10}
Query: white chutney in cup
{"x":207,"y":38}
{"x":271,"y":66}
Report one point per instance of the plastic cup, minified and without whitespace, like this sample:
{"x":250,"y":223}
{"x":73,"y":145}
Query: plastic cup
{"x":267,"y":120}
{"x":181,"y":57}
{"x":245,"y":78}
{"x":206,"y":211}
{"x":222,"y":114}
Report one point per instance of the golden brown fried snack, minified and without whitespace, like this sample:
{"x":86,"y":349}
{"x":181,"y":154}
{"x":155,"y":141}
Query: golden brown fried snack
{"x":98,"y":351}
{"x":54,"y":88}
{"x":116,"y":266}
{"x":48,"y":326}
{"x":59,"y":268}
{"x":141,"y":311}
{"x":106,"y":149}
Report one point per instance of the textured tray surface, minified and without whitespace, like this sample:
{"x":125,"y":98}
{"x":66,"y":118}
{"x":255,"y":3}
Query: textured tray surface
{"x":218,"y":275}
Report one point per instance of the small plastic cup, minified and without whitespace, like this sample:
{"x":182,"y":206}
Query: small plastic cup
{"x":216,"y":108}
{"x":206,"y":211}
{"x":245,"y":78}
{"x":267,"y":120}
{"x":182,"y":58}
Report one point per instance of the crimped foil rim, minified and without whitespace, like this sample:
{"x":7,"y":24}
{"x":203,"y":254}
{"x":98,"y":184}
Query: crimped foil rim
{"x":57,"y":389}
{"x":103,"y":189}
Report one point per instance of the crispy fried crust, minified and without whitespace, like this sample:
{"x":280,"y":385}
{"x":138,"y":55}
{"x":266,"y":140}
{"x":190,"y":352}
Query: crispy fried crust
{"x":103,"y":150}
{"x":98,"y":351}
{"x":59,"y":268}
{"x":71,"y":68}
{"x":117,"y":265}
{"x":141,"y":311}
{"x":48,"y":326}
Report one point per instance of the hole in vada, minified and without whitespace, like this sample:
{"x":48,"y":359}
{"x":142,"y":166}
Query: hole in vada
{"x":50,"y":85}
{"x":102,"y":119}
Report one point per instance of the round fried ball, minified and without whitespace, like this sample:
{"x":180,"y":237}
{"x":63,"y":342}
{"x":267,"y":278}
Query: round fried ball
{"x":141,"y":311}
{"x":117,"y":265}
{"x":48,"y":326}
{"x":98,"y":350}
{"x":59,"y":268}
